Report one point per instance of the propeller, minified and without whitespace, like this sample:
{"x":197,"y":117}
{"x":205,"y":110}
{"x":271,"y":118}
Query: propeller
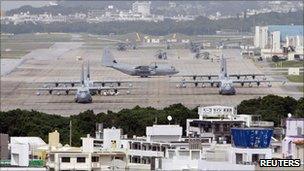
{"x":194,"y":77}
{"x":66,"y":92}
{"x":56,"y":84}
{"x":195,"y":84}
{"x":209,"y":77}
{"x":212,"y":84}
{"x":72,"y":84}
{"x":258,"y":83}
{"x":118,"y":84}
{"x":253,"y":76}
{"x":99,"y":92}
{"x":102,"y":84}
{"x":115,"y":91}
{"x":238,"y":77}
{"x":242,"y":84}
{"x":50,"y":91}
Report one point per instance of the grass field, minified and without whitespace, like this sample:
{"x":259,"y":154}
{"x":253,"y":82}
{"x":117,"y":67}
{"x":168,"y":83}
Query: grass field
{"x":301,"y":88}
{"x":296,"y":78}
{"x":16,"y":46}
{"x":288,"y":64}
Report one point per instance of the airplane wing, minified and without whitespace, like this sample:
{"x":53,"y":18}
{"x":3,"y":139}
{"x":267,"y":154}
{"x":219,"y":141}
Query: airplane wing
{"x":57,"y":83}
{"x":256,"y":81}
{"x":196,"y":82}
{"x":198,"y":76}
{"x":238,"y":76}
{"x":103,"y":83}
{"x":98,"y":88}
{"x":58,"y":89}
{"x":51,"y":89}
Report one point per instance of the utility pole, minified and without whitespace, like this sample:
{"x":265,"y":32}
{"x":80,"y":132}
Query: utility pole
{"x":70,"y":133}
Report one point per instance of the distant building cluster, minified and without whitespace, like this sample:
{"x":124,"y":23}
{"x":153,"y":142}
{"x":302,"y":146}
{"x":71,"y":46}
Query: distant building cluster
{"x":281,"y":40}
{"x":266,"y":7}
{"x":142,"y":11}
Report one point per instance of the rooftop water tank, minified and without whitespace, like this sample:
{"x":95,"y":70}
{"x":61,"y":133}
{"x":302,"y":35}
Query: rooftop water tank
{"x":251,"y":137}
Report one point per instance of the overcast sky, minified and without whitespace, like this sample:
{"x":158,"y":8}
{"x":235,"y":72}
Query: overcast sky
{"x":8,"y":4}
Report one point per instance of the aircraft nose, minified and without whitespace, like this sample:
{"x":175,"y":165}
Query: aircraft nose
{"x":227,"y":87}
{"x":82,"y":95}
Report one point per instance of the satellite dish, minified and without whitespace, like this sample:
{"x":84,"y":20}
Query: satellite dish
{"x":289,"y":115}
{"x":169,"y":118}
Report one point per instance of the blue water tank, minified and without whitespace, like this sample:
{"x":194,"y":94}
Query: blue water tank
{"x":251,"y":137}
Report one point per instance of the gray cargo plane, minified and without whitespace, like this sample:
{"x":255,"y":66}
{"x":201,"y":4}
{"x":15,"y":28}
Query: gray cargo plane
{"x":84,"y":88}
{"x":224,"y":81}
{"x":141,"y":70}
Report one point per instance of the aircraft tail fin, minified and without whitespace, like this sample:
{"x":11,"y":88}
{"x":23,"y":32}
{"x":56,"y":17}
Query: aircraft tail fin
{"x":108,"y":59}
{"x":223,"y":71}
{"x":82,"y":75}
{"x":88,"y":70}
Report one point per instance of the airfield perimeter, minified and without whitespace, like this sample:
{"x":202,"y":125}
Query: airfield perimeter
{"x":59,"y":62}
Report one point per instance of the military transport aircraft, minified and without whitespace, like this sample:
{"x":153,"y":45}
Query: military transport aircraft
{"x":141,"y":70}
{"x":224,"y":81}
{"x":84,"y":88}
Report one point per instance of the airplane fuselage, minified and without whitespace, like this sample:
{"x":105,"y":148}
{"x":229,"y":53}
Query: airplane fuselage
{"x":145,"y":70}
{"x":226,"y":87}
{"x":83,"y":95}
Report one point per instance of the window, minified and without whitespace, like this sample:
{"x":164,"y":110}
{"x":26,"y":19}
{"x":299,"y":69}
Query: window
{"x":95,"y":159}
{"x":52,"y":157}
{"x":81,"y":160}
{"x":65,"y":159}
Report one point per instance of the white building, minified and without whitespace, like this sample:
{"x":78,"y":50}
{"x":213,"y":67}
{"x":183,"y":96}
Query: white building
{"x":293,"y":143}
{"x":261,"y":37}
{"x":141,"y":7}
{"x":88,"y":157}
{"x":164,"y":133}
{"x":214,"y":123}
{"x":20,"y":154}
{"x":22,"y":148}
{"x":276,"y":41}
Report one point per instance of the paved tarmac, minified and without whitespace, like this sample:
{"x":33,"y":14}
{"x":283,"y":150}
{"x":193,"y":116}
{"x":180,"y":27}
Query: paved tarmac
{"x":60,"y":63}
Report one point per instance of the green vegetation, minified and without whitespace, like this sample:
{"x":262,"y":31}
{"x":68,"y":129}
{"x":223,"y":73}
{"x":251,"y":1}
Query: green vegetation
{"x":296,"y":78}
{"x":13,"y":54}
{"x":133,"y":121}
{"x":199,"y":26}
{"x":272,"y":107}
{"x":16,"y":46}
{"x":288,"y":64}
{"x":301,"y":89}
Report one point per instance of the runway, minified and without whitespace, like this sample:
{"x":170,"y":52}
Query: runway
{"x":59,"y":62}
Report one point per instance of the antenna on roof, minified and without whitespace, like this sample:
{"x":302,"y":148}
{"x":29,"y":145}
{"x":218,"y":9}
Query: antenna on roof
{"x":70,"y":133}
